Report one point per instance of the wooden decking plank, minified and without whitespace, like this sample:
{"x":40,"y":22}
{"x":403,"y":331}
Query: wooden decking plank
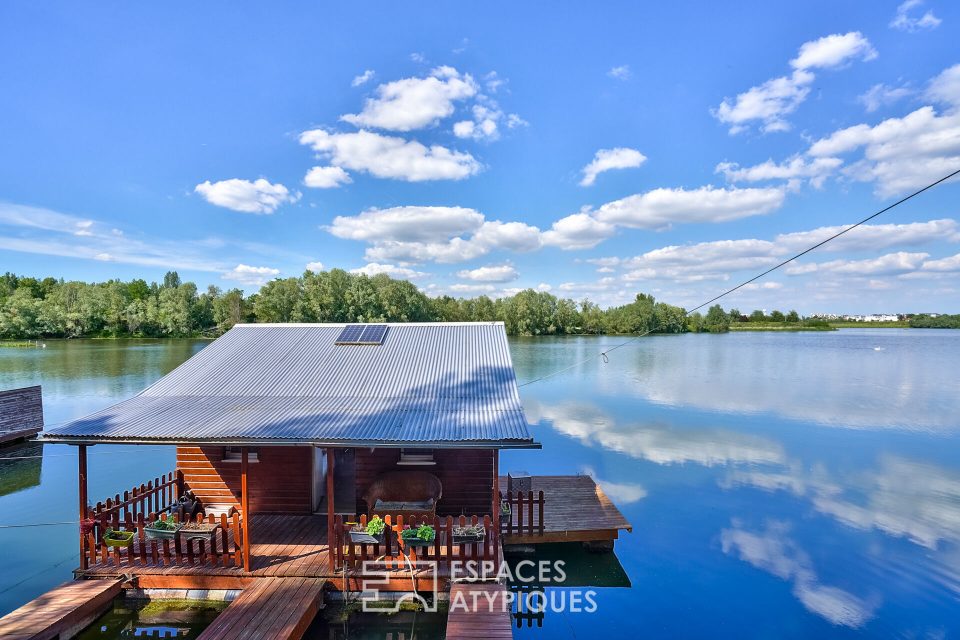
{"x":489,"y":621}
{"x":62,"y":607}
{"x":280,"y":608}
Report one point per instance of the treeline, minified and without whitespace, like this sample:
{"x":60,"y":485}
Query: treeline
{"x":52,"y":308}
{"x":942,"y":321}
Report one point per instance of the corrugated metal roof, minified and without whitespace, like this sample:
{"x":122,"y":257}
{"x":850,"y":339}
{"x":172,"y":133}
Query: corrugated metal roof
{"x":427,"y":383}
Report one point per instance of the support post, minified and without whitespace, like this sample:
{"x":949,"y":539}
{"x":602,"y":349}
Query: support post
{"x":245,"y":506}
{"x":496,"y":488}
{"x":331,"y":513}
{"x":82,"y":484}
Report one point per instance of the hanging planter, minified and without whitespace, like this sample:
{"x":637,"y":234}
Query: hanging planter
{"x":87,"y":525}
{"x":505,"y":512}
{"x":468,"y":534}
{"x":118,"y":538}
{"x":370,"y":534}
{"x":422,"y":536}
{"x":162,"y":530}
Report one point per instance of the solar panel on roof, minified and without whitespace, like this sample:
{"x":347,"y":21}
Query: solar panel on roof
{"x":374,"y":333}
{"x":362,"y":334}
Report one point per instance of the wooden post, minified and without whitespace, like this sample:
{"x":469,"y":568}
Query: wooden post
{"x":245,"y":506}
{"x":496,"y":488}
{"x":82,"y":484}
{"x":331,"y":514}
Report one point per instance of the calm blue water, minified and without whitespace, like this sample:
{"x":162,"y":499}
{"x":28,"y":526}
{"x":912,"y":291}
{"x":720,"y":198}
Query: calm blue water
{"x":780,"y":485}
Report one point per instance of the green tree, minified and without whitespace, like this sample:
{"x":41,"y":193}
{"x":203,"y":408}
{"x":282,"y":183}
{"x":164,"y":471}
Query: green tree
{"x":758,"y":316}
{"x":716,"y":321}
{"x":793,"y":316}
{"x":776,"y":316}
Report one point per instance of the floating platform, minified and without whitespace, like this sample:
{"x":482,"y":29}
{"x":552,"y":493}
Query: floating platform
{"x":279,"y":608}
{"x":479,"y":611}
{"x":60,"y":612}
{"x":21,"y":414}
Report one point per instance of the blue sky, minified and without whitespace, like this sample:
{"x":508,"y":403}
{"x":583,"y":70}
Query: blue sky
{"x":588,"y":150}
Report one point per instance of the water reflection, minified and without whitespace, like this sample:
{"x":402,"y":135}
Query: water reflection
{"x":20,"y":467}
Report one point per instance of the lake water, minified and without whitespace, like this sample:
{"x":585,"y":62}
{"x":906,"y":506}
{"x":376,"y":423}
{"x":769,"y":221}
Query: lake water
{"x":780,"y":485}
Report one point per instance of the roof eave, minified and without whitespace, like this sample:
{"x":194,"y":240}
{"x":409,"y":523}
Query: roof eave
{"x":288,"y":442}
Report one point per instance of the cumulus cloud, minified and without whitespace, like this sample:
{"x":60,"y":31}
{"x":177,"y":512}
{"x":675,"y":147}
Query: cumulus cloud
{"x":608,"y":159}
{"x":407,"y":224}
{"x":770,"y":102}
{"x":252,"y":276}
{"x":899,"y":154}
{"x":363,"y":78}
{"x":487,"y":118}
{"x":815,"y":170}
{"x":886,"y":265}
{"x":621,"y":72}
{"x":661,"y":208}
{"x":578,"y":231}
{"x":259,"y":196}
{"x":490,"y":273}
{"x":772,"y":550}
{"x":316,"y":267}
{"x":390,"y":156}
{"x":415,"y":103}
{"x":905,"y":19}
{"x":945,"y":87}
{"x":326,"y":177}
{"x":882,"y":95}
{"x":872,"y":237}
{"x":394,"y":271}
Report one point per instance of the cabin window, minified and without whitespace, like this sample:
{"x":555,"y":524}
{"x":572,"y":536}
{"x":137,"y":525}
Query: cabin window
{"x":234,"y":454}
{"x":416,"y":457}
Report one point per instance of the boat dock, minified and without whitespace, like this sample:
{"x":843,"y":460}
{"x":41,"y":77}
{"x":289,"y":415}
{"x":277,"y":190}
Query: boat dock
{"x":280,"y":608}
{"x":479,"y":611}
{"x":60,"y":612}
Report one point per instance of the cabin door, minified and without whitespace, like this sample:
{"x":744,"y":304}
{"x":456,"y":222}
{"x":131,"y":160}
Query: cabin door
{"x":344,"y":481}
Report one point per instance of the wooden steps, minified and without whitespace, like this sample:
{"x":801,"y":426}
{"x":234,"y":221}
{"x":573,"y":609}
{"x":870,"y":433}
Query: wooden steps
{"x":280,"y":608}
{"x":62,"y":610}
{"x":479,"y":610}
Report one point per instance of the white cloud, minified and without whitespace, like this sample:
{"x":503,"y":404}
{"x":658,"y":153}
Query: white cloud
{"x":259,"y":196}
{"x":620,"y":73}
{"x":316,"y":267}
{"x":578,"y":231}
{"x":618,"y":492}
{"x":816,"y":170}
{"x":882,"y":95}
{"x":607,"y":159}
{"x":899,"y":154}
{"x":477,"y":289}
{"x":415,"y":103}
{"x":945,"y":87}
{"x":401,"y":273}
{"x":943,"y":265}
{"x":363,"y":78}
{"x":390,"y":156}
{"x":251,"y":276}
{"x":104,"y":257}
{"x":886,"y":265}
{"x":906,"y":22}
{"x":511,"y":236}
{"x":407,"y":224}
{"x":490,"y":273}
{"x":487,"y":118}
{"x":872,"y":237}
{"x":833,"y":51}
{"x":454,"y":250}
{"x":774,"y":552}
{"x":773,"y":100}
{"x":326,"y":177}
{"x":660,"y":208}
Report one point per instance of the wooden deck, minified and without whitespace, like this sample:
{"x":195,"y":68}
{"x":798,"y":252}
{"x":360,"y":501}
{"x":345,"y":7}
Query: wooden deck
{"x":479,"y":611}
{"x":63,"y":610}
{"x":279,"y":608}
{"x":21,"y":414}
{"x":575,"y":510}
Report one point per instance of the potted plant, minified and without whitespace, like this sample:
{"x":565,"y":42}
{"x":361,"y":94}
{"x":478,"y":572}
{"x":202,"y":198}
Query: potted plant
{"x":505,"y":512}
{"x":87,"y":525}
{"x":162,"y":529}
{"x":371,"y":534}
{"x":113,"y":538}
{"x":419,"y":537}
{"x":469,"y":533}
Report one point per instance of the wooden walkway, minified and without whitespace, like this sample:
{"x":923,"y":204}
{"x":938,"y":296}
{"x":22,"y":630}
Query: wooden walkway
{"x":63,"y":610}
{"x":575,"y":510}
{"x":280,"y":608}
{"x":479,"y":611}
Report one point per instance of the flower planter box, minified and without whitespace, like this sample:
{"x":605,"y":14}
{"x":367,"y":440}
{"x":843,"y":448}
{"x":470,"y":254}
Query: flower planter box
{"x":467,"y":535}
{"x":418,"y":542}
{"x":118,"y":538}
{"x":162,"y":534}
{"x":362,"y":537}
{"x":411,"y":539}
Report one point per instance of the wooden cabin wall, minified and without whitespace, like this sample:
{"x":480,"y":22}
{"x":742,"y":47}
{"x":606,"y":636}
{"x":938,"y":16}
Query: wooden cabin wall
{"x":279,"y":482}
{"x":466,"y":475}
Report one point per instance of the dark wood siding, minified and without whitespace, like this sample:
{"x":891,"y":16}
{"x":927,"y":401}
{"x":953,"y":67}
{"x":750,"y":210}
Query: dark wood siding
{"x":21,"y":413}
{"x":280,"y":481}
{"x":466,"y":475}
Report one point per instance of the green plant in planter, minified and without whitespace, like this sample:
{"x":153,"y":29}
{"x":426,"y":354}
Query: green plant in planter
{"x":376,"y":526}
{"x":165,"y":525}
{"x":422,"y":534}
{"x":114,"y":538}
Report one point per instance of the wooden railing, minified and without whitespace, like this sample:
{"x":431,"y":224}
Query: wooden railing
{"x":526,"y":517}
{"x":139,"y":508}
{"x":394,"y":552}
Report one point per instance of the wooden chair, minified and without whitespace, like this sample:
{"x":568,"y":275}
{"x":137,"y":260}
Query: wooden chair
{"x":407,"y":493}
